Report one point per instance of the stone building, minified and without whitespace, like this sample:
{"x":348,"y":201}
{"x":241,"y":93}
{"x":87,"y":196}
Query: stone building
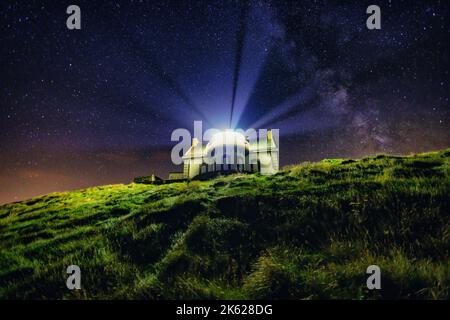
{"x":229,"y":151}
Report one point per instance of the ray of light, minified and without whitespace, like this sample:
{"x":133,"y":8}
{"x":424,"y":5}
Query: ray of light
{"x":288,"y":105}
{"x":238,"y":56}
{"x":262,"y":32}
{"x":167,"y":79}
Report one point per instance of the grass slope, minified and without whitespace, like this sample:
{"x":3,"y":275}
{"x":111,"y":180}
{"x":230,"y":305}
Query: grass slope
{"x":309,"y":231}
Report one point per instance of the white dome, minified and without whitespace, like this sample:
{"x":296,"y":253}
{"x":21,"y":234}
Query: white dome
{"x":227,"y":138}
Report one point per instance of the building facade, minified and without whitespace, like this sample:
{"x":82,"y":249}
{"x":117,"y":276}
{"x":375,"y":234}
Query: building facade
{"x":229,"y":152}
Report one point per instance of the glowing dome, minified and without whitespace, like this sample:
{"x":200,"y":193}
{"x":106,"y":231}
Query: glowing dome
{"x":227,"y":138}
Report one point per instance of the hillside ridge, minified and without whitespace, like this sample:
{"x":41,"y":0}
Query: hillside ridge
{"x":308,"y":232}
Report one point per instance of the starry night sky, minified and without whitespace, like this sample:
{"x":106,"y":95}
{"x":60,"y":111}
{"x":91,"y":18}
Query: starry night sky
{"x":98,"y":105}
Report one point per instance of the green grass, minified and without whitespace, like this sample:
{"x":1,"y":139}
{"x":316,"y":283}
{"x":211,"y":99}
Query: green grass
{"x":308,"y":232}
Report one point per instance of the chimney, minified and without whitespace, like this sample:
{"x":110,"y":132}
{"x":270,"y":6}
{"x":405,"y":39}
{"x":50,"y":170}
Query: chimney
{"x":269,"y":136}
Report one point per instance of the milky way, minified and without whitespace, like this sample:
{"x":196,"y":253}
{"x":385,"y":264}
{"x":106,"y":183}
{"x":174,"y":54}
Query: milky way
{"x":98,"y":105}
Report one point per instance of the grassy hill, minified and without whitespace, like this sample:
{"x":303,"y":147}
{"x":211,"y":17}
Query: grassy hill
{"x":308,"y":232}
